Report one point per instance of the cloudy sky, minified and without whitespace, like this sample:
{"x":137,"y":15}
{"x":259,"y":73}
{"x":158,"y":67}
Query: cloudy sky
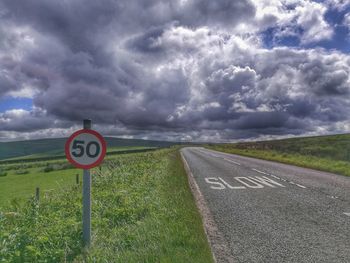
{"x":200,"y":70}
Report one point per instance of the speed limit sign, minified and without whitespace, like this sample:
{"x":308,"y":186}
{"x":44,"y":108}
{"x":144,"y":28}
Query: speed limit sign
{"x":85,"y":149}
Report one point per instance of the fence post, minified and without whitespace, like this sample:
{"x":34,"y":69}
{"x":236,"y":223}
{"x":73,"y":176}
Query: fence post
{"x":77,"y":178}
{"x":37,"y":194}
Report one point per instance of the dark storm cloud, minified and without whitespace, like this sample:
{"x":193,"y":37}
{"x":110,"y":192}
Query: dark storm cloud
{"x":326,"y":78}
{"x":147,"y":42}
{"x":8,"y":66}
{"x":268,"y":120}
{"x":6,"y":84}
{"x":224,"y":13}
{"x":170,"y":69}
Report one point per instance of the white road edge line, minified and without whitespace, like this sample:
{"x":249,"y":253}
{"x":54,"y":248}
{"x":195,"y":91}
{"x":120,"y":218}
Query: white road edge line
{"x":211,"y":230}
{"x":284,"y":180}
{"x":217,"y":156}
{"x":261,"y":172}
{"x":299,"y":185}
{"x":231,"y":161}
{"x":210,"y":154}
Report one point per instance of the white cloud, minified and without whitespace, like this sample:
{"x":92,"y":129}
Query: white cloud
{"x":25,"y":120}
{"x":289,"y":16}
{"x":346,"y":21}
{"x":13,"y":114}
{"x":311,"y":19}
{"x":26,"y":92}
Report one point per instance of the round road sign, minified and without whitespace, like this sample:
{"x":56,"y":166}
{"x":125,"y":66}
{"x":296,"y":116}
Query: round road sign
{"x":85,"y":149}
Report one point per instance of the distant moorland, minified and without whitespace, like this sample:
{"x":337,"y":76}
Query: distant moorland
{"x":328,"y":153}
{"x":55,"y":147}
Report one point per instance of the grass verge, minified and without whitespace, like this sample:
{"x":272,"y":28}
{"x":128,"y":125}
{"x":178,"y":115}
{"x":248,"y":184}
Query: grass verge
{"x":142,"y":211}
{"x":309,"y":161}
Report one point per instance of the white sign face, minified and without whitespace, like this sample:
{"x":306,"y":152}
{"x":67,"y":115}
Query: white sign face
{"x":85,"y":149}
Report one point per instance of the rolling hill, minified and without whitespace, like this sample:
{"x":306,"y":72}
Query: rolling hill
{"x":335,"y":147}
{"x":55,"y":147}
{"x":328,"y":153}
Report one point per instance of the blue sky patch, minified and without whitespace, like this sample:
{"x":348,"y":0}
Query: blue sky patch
{"x":340,"y":40}
{"x":9,"y":103}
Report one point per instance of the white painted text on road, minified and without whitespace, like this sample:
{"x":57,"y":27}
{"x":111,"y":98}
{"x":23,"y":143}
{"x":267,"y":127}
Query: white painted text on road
{"x":241,"y":182}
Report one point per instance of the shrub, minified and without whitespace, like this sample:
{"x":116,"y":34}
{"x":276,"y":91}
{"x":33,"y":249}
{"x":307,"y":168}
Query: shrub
{"x":65,"y":166}
{"x":2,"y":173}
{"x":56,"y":167}
{"x":22,"y":172}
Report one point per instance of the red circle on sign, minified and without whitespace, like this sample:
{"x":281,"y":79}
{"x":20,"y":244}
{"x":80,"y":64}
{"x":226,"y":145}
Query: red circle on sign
{"x":101,"y":141}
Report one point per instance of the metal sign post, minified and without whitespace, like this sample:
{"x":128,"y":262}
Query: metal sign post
{"x":86,"y":199}
{"x":86,"y":149}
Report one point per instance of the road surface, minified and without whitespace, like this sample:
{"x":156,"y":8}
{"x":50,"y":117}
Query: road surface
{"x":272,"y":212}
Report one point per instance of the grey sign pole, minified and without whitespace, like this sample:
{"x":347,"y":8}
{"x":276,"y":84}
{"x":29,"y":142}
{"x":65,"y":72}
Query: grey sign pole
{"x":87,"y":200}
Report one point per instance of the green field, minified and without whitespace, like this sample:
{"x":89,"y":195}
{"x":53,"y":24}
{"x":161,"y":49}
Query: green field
{"x":20,"y":178}
{"x":142,"y":211}
{"x":19,"y":187}
{"x":48,"y":170}
{"x":326,"y":153}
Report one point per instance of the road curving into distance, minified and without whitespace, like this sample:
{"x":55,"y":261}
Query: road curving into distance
{"x":272,"y":212}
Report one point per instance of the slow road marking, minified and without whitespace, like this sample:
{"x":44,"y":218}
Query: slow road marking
{"x":254,"y":182}
{"x":248,"y":182}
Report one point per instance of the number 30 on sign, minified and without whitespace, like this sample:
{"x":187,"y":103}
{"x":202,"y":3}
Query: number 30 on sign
{"x":85,"y":149}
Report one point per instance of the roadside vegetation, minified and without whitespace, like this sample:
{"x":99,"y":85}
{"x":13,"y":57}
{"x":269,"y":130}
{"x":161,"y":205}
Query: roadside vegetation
{"x":45,"y":174}
{"x":326,"y":153}
{"x":142,"y":211}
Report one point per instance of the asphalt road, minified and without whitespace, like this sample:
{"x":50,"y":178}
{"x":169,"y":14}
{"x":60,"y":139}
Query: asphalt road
{"x":271,"y":212}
